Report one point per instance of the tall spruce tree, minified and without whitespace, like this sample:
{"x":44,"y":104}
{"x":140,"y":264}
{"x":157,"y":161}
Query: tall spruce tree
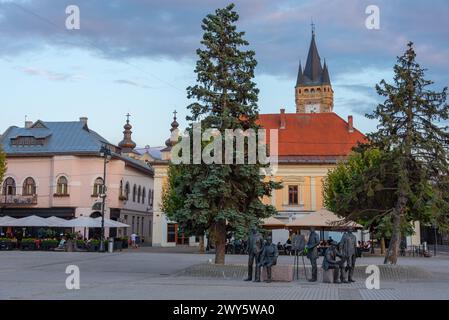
{"x":221,"y":197}
{"x":413,"y":134}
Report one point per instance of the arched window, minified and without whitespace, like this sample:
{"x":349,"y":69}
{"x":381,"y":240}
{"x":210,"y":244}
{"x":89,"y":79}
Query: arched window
{"x":98,"y":186}
{"x":139,"y":194}
{"x":319,"y":89}
{"x":312,"y":91}
{"x":127,"y":190}
{"x":9,"y":187}
{"x":134,"y":193}
{"x":144,"y":195}
{"x":62,"y":186}
{"x":306,"y":90}
{"x":29,"y":187}
{"x":121,"y":189}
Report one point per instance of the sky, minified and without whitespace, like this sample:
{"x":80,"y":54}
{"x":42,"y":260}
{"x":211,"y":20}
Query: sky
{"x":138,"y":56}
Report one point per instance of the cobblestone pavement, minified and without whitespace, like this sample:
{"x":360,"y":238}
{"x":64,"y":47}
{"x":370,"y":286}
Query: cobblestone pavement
{"x":139,"y":275}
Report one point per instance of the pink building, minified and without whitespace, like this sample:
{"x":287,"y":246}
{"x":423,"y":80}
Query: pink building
{"x":55,"y":169}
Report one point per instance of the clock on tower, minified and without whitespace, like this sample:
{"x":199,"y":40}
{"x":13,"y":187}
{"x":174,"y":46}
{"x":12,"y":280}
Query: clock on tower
{"x":313,"y":108}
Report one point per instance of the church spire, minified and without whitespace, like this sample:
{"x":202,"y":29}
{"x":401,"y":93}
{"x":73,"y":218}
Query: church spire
{"x":326,"y":78}
{"x":313,"y":69}
{"x":299,"y":78}
{"x":127,"y":144}
{"x":313,"y":90}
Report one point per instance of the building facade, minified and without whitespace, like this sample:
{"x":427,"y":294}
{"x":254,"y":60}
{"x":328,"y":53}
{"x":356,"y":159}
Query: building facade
{"x":56,"y":169}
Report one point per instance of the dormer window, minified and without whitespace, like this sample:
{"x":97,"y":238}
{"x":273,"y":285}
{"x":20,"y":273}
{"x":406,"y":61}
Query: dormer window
{"x":27,"y":141}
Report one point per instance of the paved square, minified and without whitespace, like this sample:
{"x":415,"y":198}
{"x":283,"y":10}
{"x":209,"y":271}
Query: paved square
{"x":152,"y":275}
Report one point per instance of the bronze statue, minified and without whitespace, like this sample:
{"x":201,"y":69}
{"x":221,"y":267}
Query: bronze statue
{"x":268,"y":258}
{"x":312,"y":252}
{"x":330,"y":262}
{"x":255,"y":246}
{"x":348,"y":249}
{"x":299,"y":244}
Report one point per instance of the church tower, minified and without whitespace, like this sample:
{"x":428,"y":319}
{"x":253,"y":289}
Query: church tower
{"x":127,"y":144}
{"x":313,"y":90}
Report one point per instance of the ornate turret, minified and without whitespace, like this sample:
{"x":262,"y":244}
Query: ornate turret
{"x":170,"y":142}
{"x":127,"y":144}
{"x":313,"y":90}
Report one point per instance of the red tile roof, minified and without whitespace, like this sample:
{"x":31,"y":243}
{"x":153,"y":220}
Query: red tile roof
{"x":312,"y":137}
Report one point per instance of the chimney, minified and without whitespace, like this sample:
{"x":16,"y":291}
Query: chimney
{"x":350,"y":124}
{"x":282,"y":126}
{"x":28,"y":124}
{"x":84,"y":120}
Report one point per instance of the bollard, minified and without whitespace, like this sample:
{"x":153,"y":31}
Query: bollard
{"x":111,"y":245}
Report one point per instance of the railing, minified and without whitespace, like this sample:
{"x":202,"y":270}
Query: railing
{"x":18,"y":200}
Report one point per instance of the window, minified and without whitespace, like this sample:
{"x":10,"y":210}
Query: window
{"x":139,"y":194}
{"x":98,"y":187}
{"x":29,"y":187}
{"x":134,"y":193}
{"x":312,"y":91}
{"x":171,"y":232}
{"x":141,"y":233}
{"x":9,"y":187}
{"x":292,"y":195}
{"x":127,"y":190}
{"x":144,"y":195}
{"x":150,"y":197}
{"x":62,"y":186}
{"x":121,"y":189}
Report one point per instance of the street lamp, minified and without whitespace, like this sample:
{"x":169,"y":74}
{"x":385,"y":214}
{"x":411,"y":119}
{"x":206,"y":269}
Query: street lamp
{"x":435,"y":239}
{"x":106,"y":154}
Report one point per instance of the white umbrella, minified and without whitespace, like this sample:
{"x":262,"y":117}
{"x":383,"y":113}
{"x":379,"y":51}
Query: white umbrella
{"x":112,"y":224}
{"x":30,"y":221}
{"x":57,"y":222}
{"x":87,"y":222}
{"x":6,"y":219}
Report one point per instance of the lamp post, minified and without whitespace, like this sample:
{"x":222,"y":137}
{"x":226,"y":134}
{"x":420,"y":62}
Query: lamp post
{"x":435,"y":240}
{"x":106,"y":154}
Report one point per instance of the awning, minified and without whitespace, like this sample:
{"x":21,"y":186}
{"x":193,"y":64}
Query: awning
{"x":273,"y":223}
{"x":323,"y":219}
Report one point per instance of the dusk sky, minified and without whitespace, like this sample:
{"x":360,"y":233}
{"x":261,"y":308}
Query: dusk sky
{"x":138,"y":56}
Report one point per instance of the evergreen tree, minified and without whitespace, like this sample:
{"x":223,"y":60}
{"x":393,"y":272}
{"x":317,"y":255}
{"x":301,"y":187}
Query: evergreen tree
{"x":221,"y":197}
{"x":412,"y":133}
{"x":402,"y":175}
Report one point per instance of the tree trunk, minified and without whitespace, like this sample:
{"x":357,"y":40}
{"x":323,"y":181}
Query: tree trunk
{"x":382,"y":245}
{"x":202,"y":249}
{"x":220,"y":242}
{"x":393,"y":249}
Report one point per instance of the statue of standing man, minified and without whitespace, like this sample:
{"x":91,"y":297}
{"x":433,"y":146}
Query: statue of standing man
{"x":312,"y":253}
{"x":348,"y":249}
{"x":255,"y":246}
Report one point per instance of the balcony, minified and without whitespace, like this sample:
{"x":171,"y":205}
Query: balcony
{"x":18,"y":200}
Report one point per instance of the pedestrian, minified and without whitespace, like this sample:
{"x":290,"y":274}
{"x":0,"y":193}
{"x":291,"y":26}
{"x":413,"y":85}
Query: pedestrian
{"x":134,"y":240}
